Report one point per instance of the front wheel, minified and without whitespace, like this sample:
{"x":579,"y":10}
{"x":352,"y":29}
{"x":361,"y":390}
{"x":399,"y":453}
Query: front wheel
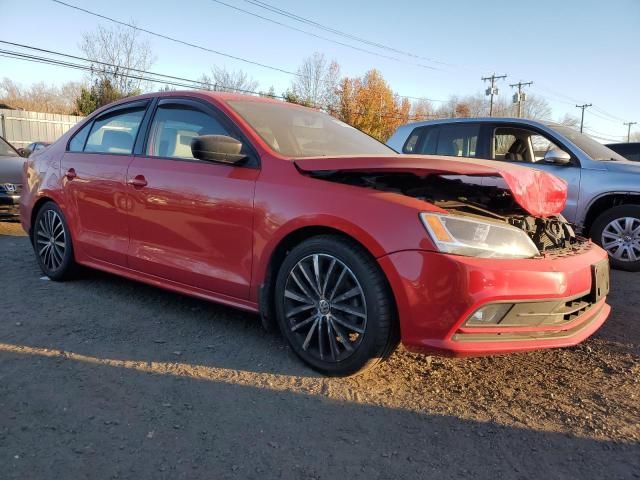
{"x":334,"y":306}
{"x":617,"y":230}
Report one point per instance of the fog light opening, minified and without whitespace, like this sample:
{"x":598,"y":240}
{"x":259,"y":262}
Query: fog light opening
{"x":489,"y":315}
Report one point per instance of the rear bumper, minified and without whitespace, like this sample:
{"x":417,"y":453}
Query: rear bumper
{"x":436,"y":294}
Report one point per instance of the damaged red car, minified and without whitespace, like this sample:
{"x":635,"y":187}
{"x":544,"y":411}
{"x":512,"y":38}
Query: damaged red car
{"x":328,"y":234}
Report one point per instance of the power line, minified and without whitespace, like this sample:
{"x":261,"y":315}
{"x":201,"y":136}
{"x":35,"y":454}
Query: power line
{"x":193,"y":45}
{"x":492,"y":90}
{"x":298,"y":18}
{"x":176,"y":40}
{"x":320,"y":36}
{"x":583,"y":107}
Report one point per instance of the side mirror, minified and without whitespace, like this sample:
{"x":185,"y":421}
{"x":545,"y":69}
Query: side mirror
{"x":217,"y":148}
{"x":557,"y":156}
{"x":24,"y":152}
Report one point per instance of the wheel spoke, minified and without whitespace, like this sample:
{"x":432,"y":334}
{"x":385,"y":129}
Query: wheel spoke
{"x":346,"y":324}
{"x":298,"y":326}
{"x":351,"y":293}
{"x":333,"y":345}
{"x":338,"y":282}
{"x":307,"y":340}
{"x":308,"y":278}
{"x":342,"y":338}
{"x":321,"y":345}
{"x":302,"y":287}
{"x":348,"y":309}
{"x":316,"y":272}
{"x":296,"y":297}
{"x":297,"y":310}
{"x":326,"y":279}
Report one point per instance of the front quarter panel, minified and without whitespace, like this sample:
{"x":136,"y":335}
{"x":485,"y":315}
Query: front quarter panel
{"x":287,"y":201}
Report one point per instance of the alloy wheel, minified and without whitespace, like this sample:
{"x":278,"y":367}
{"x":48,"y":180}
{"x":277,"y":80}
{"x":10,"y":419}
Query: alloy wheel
{"x":621,"y":239}
{"x":51,"y":240}
{"x":325,"y":307}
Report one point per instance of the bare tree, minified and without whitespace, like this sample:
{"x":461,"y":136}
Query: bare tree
{"x":570,"y":121}
{"x":317,"y":82}
{"x":40,"y":97}
{"x":121,"y":52}
{"x":223,"y":80}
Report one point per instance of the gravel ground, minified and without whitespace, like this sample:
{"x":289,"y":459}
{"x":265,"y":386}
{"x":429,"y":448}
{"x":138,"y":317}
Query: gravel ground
{"x":106,"y":378}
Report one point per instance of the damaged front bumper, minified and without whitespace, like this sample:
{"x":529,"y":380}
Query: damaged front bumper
{"x":553,"y":301}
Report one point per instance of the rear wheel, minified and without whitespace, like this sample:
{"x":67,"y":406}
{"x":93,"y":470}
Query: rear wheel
{"x":617,"y":230}
{"x":334,"y":306}
{"x":52,"y":243}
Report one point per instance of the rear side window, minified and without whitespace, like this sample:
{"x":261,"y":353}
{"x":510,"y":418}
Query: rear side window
{"x":77,"y":142}
{"x":115,"y":132}
{"x":458,"y":140}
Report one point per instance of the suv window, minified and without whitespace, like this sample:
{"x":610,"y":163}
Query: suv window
{"x":513,"y":144}
{"x":173,"y":128}
{"x":115,"y":132}
{"x":459,"y":140}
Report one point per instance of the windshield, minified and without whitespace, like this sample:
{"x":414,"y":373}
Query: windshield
{"x":302,"y":132}
{"x":6,"y":149}
{"x":588,"y":145}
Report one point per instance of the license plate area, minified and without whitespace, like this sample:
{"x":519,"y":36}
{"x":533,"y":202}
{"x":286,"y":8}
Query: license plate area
{"x":599,"y":280}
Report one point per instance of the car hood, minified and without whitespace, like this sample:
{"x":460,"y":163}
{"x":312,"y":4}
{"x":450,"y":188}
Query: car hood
{"x":11,"y":169}
{"x":539,"y":193}
{"x":626,"y":166}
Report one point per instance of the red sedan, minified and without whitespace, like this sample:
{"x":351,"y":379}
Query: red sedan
{"x":327,"y":233}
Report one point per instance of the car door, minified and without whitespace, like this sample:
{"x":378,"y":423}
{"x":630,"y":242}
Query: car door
{"x":191,"y":220}
{"x":95,"y":168}
{"x":529,"y":152}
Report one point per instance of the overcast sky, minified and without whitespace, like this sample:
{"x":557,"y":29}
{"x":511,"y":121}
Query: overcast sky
{"x":574,"y":51}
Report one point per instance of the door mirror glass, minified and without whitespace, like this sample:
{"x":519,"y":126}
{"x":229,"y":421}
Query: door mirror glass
{"x":557,"y":156}
{"x":24,"y":152}
{"x":217,"y":148}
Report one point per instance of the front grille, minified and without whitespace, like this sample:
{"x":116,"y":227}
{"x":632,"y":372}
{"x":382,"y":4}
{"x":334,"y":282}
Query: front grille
{"x":16,"y":190}
{"x":580,"y":246}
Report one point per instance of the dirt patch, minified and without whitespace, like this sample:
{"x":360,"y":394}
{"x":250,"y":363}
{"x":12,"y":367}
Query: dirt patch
{"x":106,"y":378}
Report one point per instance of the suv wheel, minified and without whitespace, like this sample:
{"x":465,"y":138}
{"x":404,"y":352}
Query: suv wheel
{"x":334,"y":306}
{"x":617,"y":230}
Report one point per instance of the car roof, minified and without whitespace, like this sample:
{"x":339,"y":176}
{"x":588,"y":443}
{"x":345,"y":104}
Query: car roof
{"x":521,"y":121}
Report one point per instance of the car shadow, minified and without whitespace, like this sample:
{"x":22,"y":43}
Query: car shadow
{"x":74,"y":418}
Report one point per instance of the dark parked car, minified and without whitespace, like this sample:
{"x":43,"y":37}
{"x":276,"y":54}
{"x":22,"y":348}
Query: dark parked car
{"x":11,"y":163}
{"x":630,"y":151}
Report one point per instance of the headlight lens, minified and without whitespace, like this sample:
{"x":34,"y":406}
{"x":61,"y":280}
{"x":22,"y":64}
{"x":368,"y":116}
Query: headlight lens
{"x":475,"y":238}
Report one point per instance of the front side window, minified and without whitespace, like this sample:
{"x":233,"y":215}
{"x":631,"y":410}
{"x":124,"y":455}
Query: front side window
{"x":295,"y":131}
{"x":173,"y":128}
{"x":77,"y":142}
{"x":116,"y":132}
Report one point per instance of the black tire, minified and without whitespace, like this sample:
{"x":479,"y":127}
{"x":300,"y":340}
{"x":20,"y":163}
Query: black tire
{"x":379,"y":335}
{"x":56,"y":259}
{"x":602,"y":232}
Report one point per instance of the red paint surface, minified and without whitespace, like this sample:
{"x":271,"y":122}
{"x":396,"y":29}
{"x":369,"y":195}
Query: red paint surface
{"x":210,"y":230}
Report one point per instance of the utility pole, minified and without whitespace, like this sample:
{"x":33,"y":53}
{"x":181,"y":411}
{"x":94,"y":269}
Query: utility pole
{"x":520,"y":97}
{"x":492,"y":90}
{"x":628,"y":124}
{"x":586,"y":105}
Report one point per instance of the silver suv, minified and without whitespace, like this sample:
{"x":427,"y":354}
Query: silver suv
{"x":604,"y":188}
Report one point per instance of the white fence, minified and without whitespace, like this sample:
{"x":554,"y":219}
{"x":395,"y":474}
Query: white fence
{"x":20,"y":128}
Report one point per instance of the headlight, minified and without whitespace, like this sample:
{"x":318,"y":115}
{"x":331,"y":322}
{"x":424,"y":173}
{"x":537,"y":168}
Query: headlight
{"x":475,"y":238}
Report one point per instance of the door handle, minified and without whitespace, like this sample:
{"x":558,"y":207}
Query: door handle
{"x":138,"y":181}
{"x":71,"y":174}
